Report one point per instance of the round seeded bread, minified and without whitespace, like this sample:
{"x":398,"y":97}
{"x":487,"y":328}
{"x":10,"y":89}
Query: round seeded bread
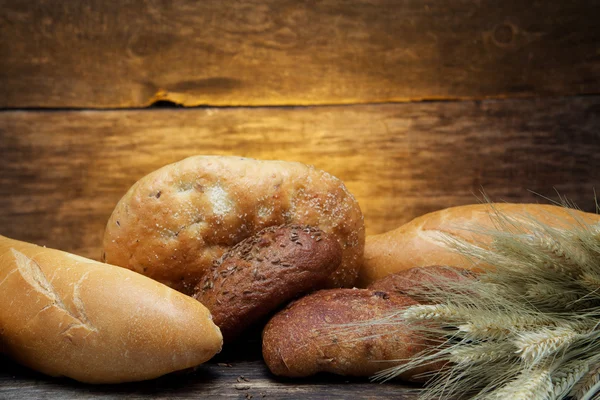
{"x":173,"y":223}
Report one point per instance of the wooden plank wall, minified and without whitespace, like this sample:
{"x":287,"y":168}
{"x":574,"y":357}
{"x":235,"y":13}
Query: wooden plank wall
{"x":320,"y":82}
{"x":63,"y":172}
{"x":111,"y":54}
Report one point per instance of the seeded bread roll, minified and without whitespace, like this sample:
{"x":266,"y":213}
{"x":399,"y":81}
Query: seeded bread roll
{"x":420,"y":242}
{"x":173,"y":223}
{"x":65,"y":315}
{"x":264,"y":272}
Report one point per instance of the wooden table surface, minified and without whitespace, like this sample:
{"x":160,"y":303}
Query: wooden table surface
{"x":237,"y":373}
{"x":416,"y":105}
{"x":230,"y":379}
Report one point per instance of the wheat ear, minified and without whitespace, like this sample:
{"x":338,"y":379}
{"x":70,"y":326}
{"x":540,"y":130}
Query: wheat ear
{"x":534,"y":347}
{"x":529,"y":385}
{"x":552,"y":296}
{"x":587,"y":382}
{"x":482,"y":353}
{"x":436,"y":312}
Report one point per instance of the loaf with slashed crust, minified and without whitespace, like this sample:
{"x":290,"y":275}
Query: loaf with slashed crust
{"x":173,"y":223}
{"x":422,"y":241}
{"x":65,"y":315}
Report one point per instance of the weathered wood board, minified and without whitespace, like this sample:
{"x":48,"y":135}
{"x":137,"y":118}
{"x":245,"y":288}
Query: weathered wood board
{"x":235,"y":380}
{"x":99,"y":54}
{"x":61,"y":173}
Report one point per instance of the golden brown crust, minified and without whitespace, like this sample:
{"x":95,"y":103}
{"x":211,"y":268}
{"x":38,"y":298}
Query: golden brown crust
{"x":173,"y":223}
{"x":303,"y":340}
{"x":419,"y":243}
{"x":265,"y":271}
{"x":65,"y":315}
{"x":413,"y":281}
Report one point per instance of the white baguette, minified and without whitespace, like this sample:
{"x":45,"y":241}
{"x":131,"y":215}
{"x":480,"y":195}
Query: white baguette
{"x":420,"y":242}
{"x":66,"y":315}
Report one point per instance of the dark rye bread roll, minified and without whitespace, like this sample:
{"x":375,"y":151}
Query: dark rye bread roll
{"x":420,"y":242}
{"x":308,"y":336}
{"x":173,"y":223}
{"x":65,"y":315}
{"x":264,"y":272}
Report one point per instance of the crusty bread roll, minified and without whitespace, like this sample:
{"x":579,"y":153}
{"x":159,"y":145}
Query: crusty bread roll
{"x":322,"y":332}
{"x":65,"y":315}
{"x":173,"y":223}
{"x":419,"y":243}
{"x":415,"y":282}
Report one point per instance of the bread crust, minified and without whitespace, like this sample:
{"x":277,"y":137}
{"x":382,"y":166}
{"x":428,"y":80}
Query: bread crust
{"x":66,"y":315}
{"x":264,"y":272}
{"x":173,"y":223}
{"x":419,"y":243}
{"x":305,"y":338}
{"x":415,"y":282}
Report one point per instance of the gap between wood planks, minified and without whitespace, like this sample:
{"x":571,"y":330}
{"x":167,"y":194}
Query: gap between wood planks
{"x":167,"y":104}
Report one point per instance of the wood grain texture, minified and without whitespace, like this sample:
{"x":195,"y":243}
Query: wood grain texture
{"x":99,"y":54}
{"x":235,"y":380}
{"x":62,"y":173}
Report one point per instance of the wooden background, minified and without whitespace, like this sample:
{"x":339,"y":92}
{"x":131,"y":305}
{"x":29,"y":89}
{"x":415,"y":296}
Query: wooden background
{"x":64,"y":171}
{"x":416,"y":105}
{"x":105,"y":54}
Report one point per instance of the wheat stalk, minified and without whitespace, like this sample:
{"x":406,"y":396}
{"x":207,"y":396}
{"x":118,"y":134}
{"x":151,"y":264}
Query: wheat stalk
{"x":529,"y":385}
{"x":567,"y":376}
{"x":435,"y":312}
{"x":591,"y":281}
{"x":494,"y":326}
{"x":534,"y":347}
{"x":587,"y":382}
{"x":554,"y":247}
{"x":528,"y":328}
{"x":482,"y":353}
{"x":551,"y":296}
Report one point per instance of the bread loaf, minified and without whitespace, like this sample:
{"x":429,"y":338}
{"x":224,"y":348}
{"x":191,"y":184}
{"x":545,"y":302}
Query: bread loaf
{"x":414,"y":282}
{"x":420,"y":242}
{"x":173,"y":223}
{"x":264,"y":272}
{"x":66,"y":315}
{"x":322,"y":332}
